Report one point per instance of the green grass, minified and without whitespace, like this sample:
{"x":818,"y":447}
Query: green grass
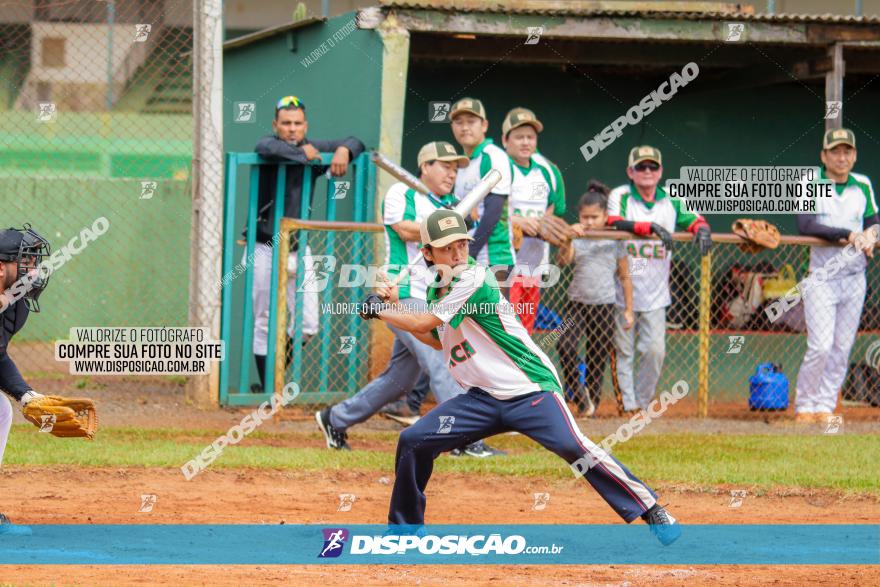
{"x":844,"y":463}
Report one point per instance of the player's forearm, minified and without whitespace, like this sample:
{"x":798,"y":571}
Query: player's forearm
{"x":564,"y":253}
{"x":11,"y":380}
{"x":407,"y":230}
{"x":422,"y":322}
{"x":275,"y":148}
{"x":809,"y":226}
{"x":493,"y":206}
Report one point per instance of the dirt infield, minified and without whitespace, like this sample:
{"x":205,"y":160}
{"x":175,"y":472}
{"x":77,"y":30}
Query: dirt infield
{"x":112,"y":496}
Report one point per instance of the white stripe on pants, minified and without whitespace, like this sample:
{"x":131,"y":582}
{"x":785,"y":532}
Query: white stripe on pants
{"x":5,"y":422}
{"x":650,"y":327}
{"x":833,"y":310}
{"x":262,"y":277}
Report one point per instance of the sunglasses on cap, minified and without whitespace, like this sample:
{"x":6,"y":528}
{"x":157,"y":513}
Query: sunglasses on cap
{"x":288,"y":101}
{"x":646,"y":166}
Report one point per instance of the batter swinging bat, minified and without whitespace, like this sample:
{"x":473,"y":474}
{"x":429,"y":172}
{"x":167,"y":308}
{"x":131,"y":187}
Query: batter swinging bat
{"x":464,"y":207}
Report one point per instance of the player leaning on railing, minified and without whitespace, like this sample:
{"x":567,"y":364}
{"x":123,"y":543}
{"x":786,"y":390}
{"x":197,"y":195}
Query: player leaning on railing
{"x":512,"y":385}
{"x":289,"y":142}
{"x":643,"y":207}
{"x":21,"y":252}
{"x":833,"y":306}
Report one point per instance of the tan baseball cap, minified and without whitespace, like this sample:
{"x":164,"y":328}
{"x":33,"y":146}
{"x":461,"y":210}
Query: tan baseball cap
{"x":645,"y":153}
{"x":443,"y":227}
{"x":520,"y":117}
{"x":838,"y":136}
{"x":468,"y":105}
{"x":441,"y":151}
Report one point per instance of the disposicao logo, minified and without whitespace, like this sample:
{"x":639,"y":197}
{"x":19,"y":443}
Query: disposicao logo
{"x":334,"y":541}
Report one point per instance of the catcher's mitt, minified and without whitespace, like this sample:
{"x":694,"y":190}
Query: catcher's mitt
{"x":63,"y":417}
{"x":555,"y":230}
{"x":756,"y":234}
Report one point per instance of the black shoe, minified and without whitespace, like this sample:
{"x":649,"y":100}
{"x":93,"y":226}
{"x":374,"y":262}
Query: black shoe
{"x":256,"y":388}
{"x":662,"y":524}
{"x":478,"y":449}
{"x":7,"y":528}
{"x":335,"y":438}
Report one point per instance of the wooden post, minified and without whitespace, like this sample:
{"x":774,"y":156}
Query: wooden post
{"x":834,"y":85}
{"x":705,"y":338}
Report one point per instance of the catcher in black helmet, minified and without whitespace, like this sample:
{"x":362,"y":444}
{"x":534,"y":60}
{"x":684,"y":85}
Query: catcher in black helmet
{"x":22,"y":280}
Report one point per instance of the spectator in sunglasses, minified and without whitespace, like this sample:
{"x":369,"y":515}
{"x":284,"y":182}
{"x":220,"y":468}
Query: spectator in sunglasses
{"x":289,"y":142}
{"x":643,"y":208}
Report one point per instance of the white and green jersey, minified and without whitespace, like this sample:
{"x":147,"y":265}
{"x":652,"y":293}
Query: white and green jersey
{"x":650,"y":277}
{"x":484,"y":342}
{"x":404,"y":203}
{"x":533,"y":189}
{"x":499,"y":247}
{"x":847,"y":209}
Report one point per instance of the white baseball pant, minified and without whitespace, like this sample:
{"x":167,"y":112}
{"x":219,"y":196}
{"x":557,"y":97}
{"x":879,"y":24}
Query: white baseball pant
{"x":5,"y":422}
{"x":833,"y":310}
{"x":262,"y":277}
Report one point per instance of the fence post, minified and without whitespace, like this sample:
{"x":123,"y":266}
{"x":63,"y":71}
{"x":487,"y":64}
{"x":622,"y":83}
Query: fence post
{"x":207,"y":166}
{"x":705,"y":324}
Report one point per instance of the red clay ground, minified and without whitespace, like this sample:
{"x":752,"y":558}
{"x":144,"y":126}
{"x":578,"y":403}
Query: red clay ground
{"x":74,"y":495}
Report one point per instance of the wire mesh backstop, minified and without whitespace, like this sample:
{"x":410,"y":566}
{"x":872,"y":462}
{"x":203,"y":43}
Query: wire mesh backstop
{"x":718,"y":332}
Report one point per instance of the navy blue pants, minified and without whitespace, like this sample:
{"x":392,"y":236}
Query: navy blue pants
{"x":542,"y":416}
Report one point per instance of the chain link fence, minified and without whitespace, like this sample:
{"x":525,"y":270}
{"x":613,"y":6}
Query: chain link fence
{"x":740,"y":343}
{"x":96,"y":121}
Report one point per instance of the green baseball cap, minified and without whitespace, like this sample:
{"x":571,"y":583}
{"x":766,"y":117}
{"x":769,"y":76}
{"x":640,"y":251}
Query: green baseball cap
{"x":520,"y":117}
{"x":645,"y":153}
{"x":441,"y":151}
{"x":443,"y":227}
{"x":470,"y":105}
{"x":838,"y":136}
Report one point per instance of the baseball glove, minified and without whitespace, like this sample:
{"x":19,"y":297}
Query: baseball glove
{"x":757,"y":235}
{"x":555,"y":230}
{"x":517,"y":237}
{"x":63,"y":417}
{"x":371,"y":306}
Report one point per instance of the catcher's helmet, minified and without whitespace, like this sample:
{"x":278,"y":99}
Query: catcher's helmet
{"x":27,"y":249}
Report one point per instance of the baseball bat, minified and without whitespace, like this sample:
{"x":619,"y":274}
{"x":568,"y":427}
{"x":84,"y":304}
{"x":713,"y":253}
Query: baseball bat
{"x":464,"y":207}
{"x":383,"y":162}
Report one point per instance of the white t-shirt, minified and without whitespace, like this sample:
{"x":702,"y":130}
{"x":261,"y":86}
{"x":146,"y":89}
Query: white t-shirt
{"x":532,"y":191}
{"x":499,"y":248}
{"x":649,"y":261}
{"x":484,"y":343}
{"x":847,"y":209}
{"x":404,"y":203}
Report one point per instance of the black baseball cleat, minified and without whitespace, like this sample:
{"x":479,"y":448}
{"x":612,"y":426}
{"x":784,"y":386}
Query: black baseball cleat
{"x":7,"y":528}
{"x":662,"y":524}
{"x":335,"y":438}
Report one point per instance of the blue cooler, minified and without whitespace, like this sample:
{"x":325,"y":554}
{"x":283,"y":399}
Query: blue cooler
{"x":768,"y":388}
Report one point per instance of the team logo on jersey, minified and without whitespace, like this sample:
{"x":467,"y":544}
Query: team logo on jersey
{"x":334,"y":541}
{"x":446,"y":423}
{"x":540,"y":190}
{"x":460,"y":353}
